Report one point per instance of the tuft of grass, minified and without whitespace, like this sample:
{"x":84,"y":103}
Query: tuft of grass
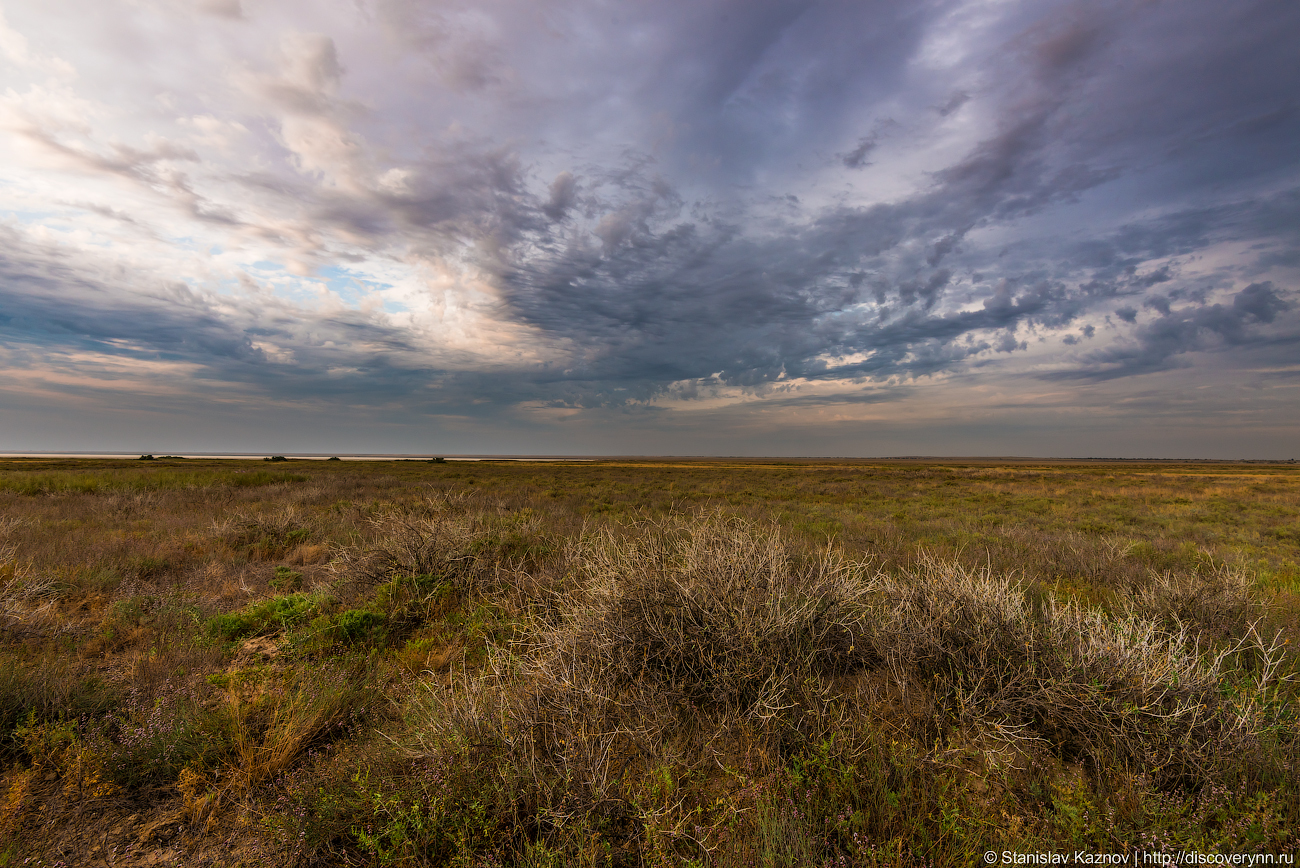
{"x":27,"y":600}
{"x":269,"y":734}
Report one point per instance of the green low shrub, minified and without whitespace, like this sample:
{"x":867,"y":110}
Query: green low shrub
{"x":268,"y":616}
{"x":285,"y":581}
{"x":357,"y":624}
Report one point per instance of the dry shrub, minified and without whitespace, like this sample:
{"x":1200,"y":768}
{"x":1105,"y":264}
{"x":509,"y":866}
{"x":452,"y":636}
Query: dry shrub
{"x":441,"y":536}
{"x":266,"y":535}
{"x":1106,"y":561}
{"x":555,"y":742}
{"x":306,"y":555}
{"x":689,"y":645}
{"x":1218,"y":604}
{"x":675,"y":634}
{"x":411,"y":546}
{"x":128,"y":505}
{"x":716,"y":610}
{"x":1110,"y":690}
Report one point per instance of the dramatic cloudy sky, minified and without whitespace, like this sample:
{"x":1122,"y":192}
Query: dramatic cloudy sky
{"x":869,"y":227}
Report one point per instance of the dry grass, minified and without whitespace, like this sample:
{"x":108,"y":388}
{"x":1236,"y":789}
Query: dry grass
{"x":272,"y":729}
{"x":27,"y":600}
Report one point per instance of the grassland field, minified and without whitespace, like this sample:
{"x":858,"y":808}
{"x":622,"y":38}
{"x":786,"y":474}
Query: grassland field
{"x":644,"y":662}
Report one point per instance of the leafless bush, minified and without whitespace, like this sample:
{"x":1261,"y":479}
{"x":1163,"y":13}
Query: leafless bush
{"x":715,"y":609}
{"x":551,"y":730}
{"x":408,"y":546}
{"x":1102,"y":688}
{"x":266,"y":535}
{"x":1218,"y":604}
{"x":673,"y":633}
{"x":129,"y":504}
{"x":442,"y":536}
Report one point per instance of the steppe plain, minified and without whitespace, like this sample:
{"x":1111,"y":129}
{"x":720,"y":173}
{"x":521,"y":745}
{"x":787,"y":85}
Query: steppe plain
{"x":644,"y":662}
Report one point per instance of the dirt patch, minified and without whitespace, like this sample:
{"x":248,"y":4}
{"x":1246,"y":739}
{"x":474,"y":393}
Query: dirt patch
{"x":258,"y":651}
{"x":162,"y":835}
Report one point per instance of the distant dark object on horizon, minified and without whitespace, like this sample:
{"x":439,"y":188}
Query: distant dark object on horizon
{"x":146,"y":458}
{"x":276,"y":458}
{"x":437,"y":460}
{"x":334,"y":458}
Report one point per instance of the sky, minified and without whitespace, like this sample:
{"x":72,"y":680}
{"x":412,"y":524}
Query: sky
{"x":679,"y":227}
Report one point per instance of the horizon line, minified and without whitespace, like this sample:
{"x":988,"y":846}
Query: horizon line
{"x":553,"y":457}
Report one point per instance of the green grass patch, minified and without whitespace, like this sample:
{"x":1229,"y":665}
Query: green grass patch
{"x":136,"y":480}
{"x":268,"y":616}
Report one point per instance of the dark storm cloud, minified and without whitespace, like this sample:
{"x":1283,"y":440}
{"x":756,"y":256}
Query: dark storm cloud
{"x":563,"y":195}
{"x":56,"y":307}
{"x":681,"y":298}
{"x":1157,"y":344}
{"x":697,"y":298}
